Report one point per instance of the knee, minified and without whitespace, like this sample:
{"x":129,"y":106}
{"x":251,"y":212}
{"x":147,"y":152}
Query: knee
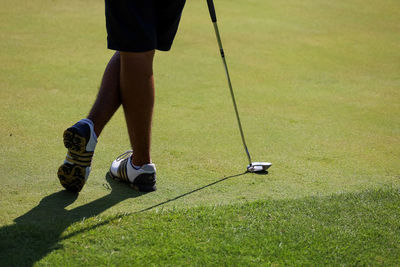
{"x":140,"y":63}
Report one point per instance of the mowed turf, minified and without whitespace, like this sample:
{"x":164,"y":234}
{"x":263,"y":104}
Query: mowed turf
{"x":317,"y":85}
{"x":345,"y":229}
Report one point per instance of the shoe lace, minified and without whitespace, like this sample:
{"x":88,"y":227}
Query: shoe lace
{"x":125,"y":155}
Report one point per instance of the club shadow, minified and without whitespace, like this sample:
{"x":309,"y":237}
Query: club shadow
{"x":191,"y":192}
{"x":124,"y":188}
{"x":39,"y":231}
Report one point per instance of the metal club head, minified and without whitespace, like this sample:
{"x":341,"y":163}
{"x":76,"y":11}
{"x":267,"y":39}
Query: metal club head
{"x":258,"y":167}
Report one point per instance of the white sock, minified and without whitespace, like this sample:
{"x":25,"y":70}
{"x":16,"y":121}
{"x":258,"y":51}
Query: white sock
{"x":134,"y":166}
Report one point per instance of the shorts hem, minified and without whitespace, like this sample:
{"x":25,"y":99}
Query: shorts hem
{"x":137,"y":50}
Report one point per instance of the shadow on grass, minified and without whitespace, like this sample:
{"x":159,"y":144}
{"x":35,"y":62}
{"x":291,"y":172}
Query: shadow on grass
{"x":39,"y":231}
{"x":190,"y":192}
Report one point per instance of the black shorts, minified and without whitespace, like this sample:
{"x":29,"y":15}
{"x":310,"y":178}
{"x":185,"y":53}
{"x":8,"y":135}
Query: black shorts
{"x":142,"y":25}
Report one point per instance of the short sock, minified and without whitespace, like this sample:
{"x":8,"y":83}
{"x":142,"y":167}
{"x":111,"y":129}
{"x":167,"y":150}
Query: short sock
{"x":90,"y":122}
{"x":134,"y":166}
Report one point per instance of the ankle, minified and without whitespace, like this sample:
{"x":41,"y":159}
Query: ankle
{"x":95,"y":125}
{"x":140,"y":161}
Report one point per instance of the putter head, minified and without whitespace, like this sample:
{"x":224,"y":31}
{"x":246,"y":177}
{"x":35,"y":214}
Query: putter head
{"x":259,"y":166}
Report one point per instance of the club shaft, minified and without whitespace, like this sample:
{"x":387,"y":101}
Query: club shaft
{"x":221,"y":49}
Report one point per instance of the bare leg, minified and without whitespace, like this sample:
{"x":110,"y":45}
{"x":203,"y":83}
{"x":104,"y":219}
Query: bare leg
{"x":137,"y":94}
{"x":108,"y":99}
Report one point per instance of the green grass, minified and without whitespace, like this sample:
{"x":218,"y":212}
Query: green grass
{"x":354,"y":228}
{"x":317,"y":84}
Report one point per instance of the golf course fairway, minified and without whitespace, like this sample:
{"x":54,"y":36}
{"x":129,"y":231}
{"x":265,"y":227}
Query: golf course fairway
{"x":317,"y":84}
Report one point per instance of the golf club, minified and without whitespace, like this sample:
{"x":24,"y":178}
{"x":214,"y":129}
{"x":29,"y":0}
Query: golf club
{"x":256,"y":167}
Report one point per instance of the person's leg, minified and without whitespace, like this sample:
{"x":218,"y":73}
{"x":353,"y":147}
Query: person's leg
{"x":137,"y":95}
{"x":108,"y":99}
{"x":134,"y":27}
{"x":81,"y":138}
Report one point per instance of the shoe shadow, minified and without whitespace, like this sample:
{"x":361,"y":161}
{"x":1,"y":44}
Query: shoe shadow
{"x":39,"y":231}
{"x":114,"y":218}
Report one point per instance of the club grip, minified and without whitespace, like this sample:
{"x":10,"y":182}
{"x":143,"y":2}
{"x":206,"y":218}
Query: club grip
{"x":211,"y":8}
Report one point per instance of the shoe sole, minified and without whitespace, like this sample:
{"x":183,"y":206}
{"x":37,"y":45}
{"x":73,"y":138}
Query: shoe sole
{"x":74,"y":142}
{"x":72,"y":176}
{"x":149,"y":177}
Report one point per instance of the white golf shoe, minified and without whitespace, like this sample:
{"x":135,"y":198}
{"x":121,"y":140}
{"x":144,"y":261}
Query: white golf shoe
{"x":142,"y":179}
